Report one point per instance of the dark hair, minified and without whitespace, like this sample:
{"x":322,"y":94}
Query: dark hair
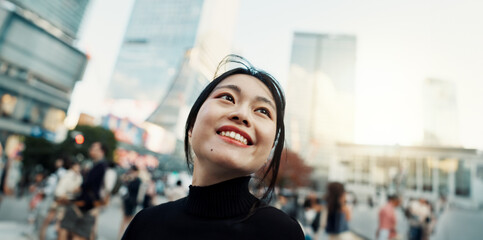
{"x":278,"y":95}
{"x":335,"y":190}
{"x":392,"y":197}
{"x":103,"y":147}
{"x":134,"y":168}
{"x":66,"y":160}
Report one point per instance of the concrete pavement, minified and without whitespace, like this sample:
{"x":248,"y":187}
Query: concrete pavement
{"x":454,"y":223}
{"x":14,"y":224}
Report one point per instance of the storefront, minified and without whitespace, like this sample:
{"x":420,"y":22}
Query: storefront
{"x":428,"y":172}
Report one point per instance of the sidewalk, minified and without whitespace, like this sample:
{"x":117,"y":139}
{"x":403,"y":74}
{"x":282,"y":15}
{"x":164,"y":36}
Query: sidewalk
{"x":452,"y":224}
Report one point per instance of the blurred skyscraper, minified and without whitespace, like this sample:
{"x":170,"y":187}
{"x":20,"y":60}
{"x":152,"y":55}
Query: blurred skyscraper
{"x":440,"y":113}
{"x":320,"y":96}
{"x":171,"y":50}
{"x":65,"y":15}
{"x":39,"y":65}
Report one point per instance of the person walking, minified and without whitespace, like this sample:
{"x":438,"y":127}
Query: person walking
{"x":387,"y":219}
{"x":80,"y":216}
{"x":65,"y":192}
{"x":338,"y":213}
{"x":130,"y":199}
{"x":232,"y":129}
{"x":50,"y":204}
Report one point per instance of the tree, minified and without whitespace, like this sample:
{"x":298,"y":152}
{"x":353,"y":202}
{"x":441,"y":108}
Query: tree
{"x":90,"y":135}
{"x":38,"y":151}
{"x":293,"y":171}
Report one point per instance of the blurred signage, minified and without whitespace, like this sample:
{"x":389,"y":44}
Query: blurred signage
{"x":124,"y":130}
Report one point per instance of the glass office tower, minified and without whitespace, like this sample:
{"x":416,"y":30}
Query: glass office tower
{"x":39,"y":66}
{"x":157,"y":37}
{"x":320,"y":92}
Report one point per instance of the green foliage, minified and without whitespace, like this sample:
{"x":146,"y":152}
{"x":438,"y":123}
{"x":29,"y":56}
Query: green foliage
{"x":38,"y":151}
{"x":91,"y":134}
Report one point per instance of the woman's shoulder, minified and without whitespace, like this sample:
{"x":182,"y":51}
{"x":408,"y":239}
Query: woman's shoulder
{"x":280,"y":222}
{"x":161,"y":211}
{"x":274,"y":214}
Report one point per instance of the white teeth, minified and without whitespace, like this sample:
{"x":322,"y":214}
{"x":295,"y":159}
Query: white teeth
{"x":235,"y":136}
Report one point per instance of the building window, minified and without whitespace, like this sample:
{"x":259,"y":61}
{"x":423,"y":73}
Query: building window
{"x":462,"y":180}
{"x":411,"y":177}
{"x":445,"y":167}
{"x":365,"y":164}
{"x":54,"y":118}
{"x":427,"y":175}
{"x":7,"y":104}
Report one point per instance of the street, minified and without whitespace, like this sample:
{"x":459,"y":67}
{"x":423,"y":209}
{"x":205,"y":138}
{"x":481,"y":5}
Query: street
{"x":14,"y":225}
{"x":452,"y":224}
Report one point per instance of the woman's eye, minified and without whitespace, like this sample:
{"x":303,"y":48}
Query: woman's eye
{"x":264,"y":111}
{"x":227,"y":97}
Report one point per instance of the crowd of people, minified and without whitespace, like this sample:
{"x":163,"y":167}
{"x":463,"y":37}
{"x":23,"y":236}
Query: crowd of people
{"x":328,"y":216}
{"x":71,"y":197}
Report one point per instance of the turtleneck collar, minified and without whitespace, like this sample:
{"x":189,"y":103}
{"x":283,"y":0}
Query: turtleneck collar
{"x":226,"y":199}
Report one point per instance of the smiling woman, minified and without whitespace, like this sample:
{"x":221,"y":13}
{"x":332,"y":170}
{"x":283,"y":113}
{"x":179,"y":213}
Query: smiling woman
{"x":232,"y":128}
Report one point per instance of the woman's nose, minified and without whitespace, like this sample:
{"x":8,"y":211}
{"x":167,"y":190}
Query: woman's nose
{"x":240,"y":117}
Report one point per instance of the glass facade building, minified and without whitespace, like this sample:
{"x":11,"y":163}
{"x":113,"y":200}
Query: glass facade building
{"x":413,"y":172}
{"x":440,"y":113}
{"x":320,"y":95}
{"x":38,"y":71}
{"x":157,"y":37}
{"x":66,"y":15}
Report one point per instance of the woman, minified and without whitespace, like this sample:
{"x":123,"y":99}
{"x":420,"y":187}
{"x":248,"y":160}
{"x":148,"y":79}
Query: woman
{"x":231,"y":129}
{"x":132,"y":182}
{"x":338,"y":213}
{"x":66,"y":190}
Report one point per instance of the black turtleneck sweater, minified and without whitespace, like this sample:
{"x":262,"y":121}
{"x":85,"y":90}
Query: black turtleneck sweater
{"x":225,"y":210}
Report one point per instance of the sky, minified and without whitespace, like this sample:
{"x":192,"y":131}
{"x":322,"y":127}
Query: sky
{"x":400,"y":43}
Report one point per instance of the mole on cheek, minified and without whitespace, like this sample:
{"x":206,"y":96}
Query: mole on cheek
{"x":212,"y":149}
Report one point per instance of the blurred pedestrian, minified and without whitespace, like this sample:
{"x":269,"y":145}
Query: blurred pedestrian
{"x":80,"y":216}
{"x":176,"y":192}
{"x":130,"y":200}
{"x":66,"y":191}
{"x":387,"y":219}
{"x":232,"y":129}
{"x":338,"y":213}
{"x":110,"y":179}
{"x":418,"y":214}
{"x":36,"y":189}
{"x":150,"y":194}
{"x":312,"y":216}
{"x":49,"y":191}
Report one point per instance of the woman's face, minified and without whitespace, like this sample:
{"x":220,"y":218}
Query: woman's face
{"x":235,"y":127}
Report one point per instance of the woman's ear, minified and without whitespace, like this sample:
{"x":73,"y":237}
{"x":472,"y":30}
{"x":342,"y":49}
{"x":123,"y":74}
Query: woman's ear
{"x":189,"y":133}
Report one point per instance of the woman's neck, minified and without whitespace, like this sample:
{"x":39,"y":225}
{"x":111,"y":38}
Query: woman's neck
{"x":206,"y":176}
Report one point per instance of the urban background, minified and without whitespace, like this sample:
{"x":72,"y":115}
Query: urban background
{"x":382,"y":96}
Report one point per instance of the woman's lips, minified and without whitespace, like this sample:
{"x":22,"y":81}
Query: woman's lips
{"x":235,"y":134}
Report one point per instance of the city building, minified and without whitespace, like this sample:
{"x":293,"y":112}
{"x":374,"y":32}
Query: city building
{"x":440,"y":113}
{"x":39,"y":66}
{"x":413,"y":172}
{"x":320,"y":97}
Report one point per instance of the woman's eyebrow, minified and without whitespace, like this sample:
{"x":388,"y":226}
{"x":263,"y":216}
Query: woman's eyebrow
{"x":238,"y":90}
{"x":232,"y":87}
{"x":266,"y":100}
